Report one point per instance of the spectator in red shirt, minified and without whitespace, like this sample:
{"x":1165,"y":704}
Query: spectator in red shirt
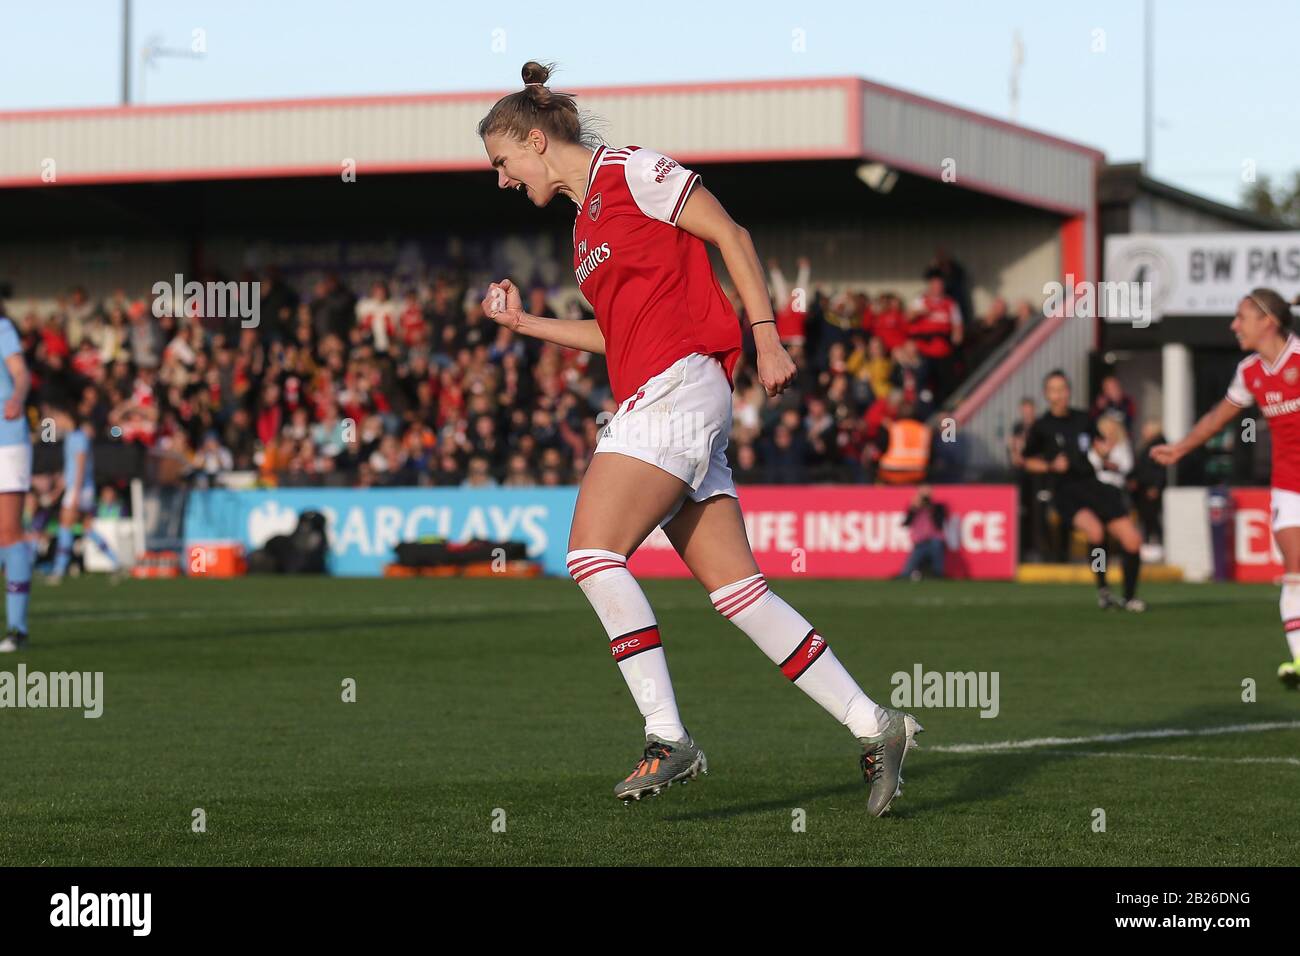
{"x":87,"y":361}
{"x":270,"y":415}
{"x":412,"y":327}
{"x":791,"y":303}
{"x":936,"y":324}
{"x":936,"y":328}
{"x":889,"y":322}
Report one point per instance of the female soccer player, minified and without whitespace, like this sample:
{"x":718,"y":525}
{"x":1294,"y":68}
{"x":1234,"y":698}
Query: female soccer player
{"x":78,"y":483}
{"x":1269,"y":376}
{"x":670,"y":339}
{"x":15,"y":481}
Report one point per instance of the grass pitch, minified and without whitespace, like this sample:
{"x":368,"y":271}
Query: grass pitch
{"x":482,"y":700}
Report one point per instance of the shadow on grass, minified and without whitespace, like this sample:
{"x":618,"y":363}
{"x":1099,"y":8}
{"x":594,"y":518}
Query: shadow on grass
{"x":998,"y":774}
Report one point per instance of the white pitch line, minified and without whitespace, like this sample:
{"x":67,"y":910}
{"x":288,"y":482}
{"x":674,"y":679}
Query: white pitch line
{"x":1289,"y":761}
{"x":1160,"y":734}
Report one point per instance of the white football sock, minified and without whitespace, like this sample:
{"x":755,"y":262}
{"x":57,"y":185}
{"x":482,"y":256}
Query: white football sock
{"x":1291,"y":612}
{"x":790,"y":642}
{"x":633,"y":636}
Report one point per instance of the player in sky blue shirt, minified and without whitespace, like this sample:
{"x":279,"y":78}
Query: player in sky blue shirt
{"x":15,"y":481}
{"x":78,"y":491}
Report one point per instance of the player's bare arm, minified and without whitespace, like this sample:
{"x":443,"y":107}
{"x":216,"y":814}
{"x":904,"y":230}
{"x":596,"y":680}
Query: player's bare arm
{"x":703,"y":216}
{"x":80,"y":470}
{"x":18,"y":371}
{"x":503,"y":305}
{"x":1211,"y":423}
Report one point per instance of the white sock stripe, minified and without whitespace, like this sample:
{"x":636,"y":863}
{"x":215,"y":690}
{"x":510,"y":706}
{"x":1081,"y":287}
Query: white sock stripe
{"x":577,"y":566}
{"x":728,"y":589}
{"x":1290,"y":579}
{"x":737,"y":595}
{"x":585,"y":563}
{"x":726,"y":598}
{"x":743,"y":600}
{"x":580,"y":576}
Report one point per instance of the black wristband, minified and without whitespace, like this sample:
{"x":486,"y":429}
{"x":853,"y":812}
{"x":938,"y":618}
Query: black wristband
{"x":754,"y":325}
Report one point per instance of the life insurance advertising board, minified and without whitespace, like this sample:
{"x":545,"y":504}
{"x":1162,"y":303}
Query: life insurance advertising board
{"x":855,"y":531}
{"x":1204,"y":273}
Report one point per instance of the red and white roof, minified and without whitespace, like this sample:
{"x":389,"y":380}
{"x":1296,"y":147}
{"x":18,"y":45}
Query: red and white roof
{"x":764,"y":120}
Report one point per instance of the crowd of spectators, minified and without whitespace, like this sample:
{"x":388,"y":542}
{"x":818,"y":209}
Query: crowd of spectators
{"x":414,"y":385}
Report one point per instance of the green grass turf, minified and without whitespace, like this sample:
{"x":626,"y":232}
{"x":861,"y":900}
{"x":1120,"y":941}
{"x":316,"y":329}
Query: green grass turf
{"x":484,"y":694}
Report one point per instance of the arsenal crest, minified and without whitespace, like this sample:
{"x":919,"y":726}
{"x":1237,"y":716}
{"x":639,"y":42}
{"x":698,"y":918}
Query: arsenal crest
{"x":1290,"y":375}
{"x":593,"y":208}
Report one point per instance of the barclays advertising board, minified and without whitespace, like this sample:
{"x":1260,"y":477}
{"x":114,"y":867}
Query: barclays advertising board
{"x":365,"y":524}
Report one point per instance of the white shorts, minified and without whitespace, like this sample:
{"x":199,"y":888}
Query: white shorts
{"x":16,"y":467}
{"x":1286,"y":509}
{"x":680,"y":422}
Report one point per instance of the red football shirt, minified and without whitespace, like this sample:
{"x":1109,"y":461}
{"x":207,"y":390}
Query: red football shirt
{"x":651,"y":284}
{"x":1276,"y":390}
{"x":933,"y":331}
{"x":890,"y":327}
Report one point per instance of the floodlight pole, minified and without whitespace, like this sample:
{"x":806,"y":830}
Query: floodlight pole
{"x":126,"y":52}
{"x":1148,"y":87}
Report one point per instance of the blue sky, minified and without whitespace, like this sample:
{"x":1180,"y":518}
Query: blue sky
{"x":1225,"y":73}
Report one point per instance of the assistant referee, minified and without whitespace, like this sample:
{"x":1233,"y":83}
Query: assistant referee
{"x":1057,"y":446}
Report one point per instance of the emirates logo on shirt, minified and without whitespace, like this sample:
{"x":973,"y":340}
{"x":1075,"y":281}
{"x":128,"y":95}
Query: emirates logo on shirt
{"x":589,"y":262}
{"x":582,"y":249}
{"x":593,"y":208}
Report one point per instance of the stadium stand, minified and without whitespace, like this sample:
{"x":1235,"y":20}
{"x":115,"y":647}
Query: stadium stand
{"x":420,"y":388}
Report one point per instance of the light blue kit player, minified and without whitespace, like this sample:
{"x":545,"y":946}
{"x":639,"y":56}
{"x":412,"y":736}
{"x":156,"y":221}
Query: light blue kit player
{"x":78,"y":491}
{"x":15,"y":482}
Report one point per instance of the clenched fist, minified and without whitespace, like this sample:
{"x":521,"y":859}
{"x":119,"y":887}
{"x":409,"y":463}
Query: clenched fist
{"x":1166,"y":454}
{"x":775,"y":369}
{"x":503,"y":304}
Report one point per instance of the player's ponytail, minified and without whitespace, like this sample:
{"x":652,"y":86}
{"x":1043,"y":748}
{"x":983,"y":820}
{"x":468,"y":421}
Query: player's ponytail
{"x":1271,"y":303}
{"x":537,"y":106}
{"x":535,"y":76}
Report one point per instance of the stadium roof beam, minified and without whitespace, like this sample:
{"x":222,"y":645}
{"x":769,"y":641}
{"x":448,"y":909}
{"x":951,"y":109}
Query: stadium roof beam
{"x":763,"y":120}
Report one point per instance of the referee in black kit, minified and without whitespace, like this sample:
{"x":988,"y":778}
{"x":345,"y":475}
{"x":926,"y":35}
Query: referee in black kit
{"x":1057,"y":446}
